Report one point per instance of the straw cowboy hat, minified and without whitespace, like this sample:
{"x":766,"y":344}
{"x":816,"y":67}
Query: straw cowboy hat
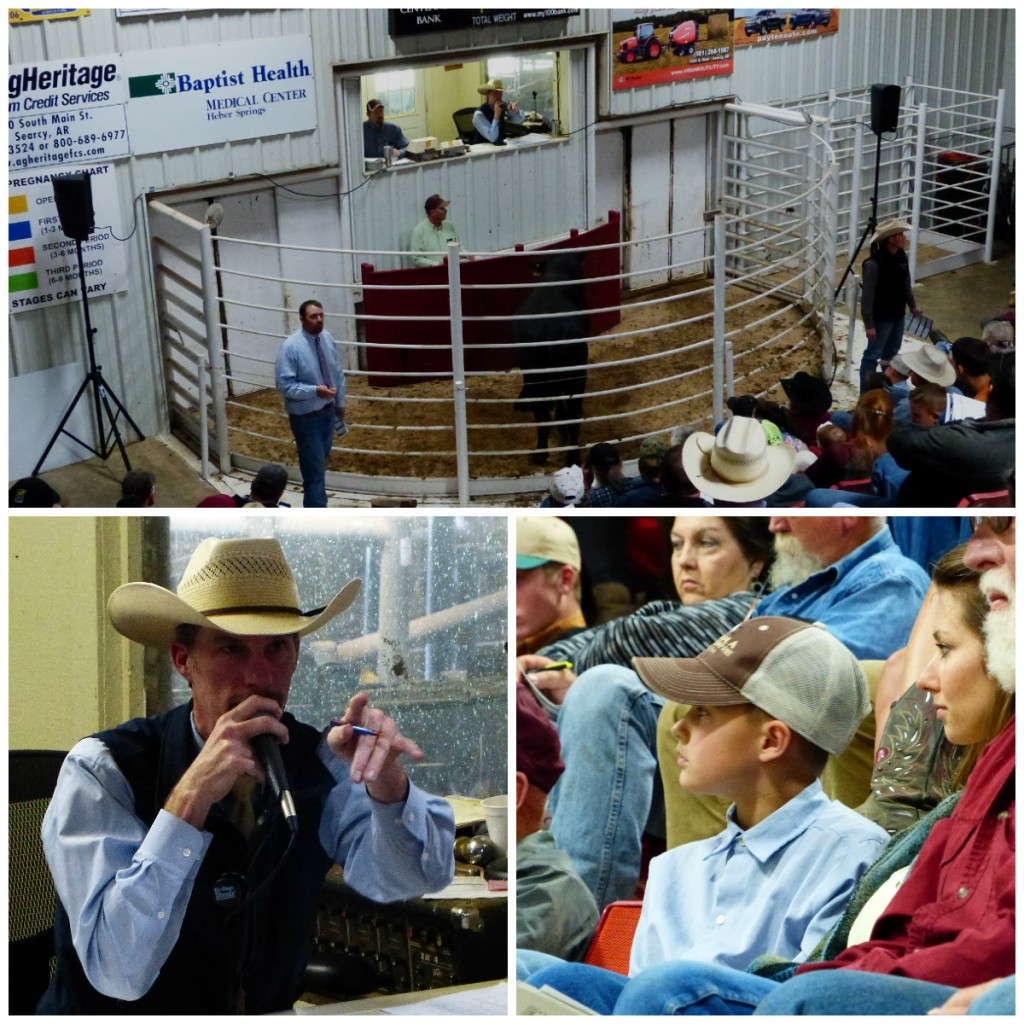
{"x":491,"y":85}
{"x":242,"y":586}
{"x":738,"y":464}
{"x":930,"y":363}
{"x":888,"y":228}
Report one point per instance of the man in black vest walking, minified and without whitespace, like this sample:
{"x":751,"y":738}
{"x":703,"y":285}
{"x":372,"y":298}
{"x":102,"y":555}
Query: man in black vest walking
{"x":886,"y":293}
{"x":185,"y":885}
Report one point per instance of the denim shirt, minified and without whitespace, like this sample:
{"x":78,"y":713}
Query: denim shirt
{"x":867,"y":600}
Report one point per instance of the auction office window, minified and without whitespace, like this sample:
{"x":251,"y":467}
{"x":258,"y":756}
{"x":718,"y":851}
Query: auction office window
{"x":531,"y":81}
{"x":396,"y":90}
{"x":426,"y":636}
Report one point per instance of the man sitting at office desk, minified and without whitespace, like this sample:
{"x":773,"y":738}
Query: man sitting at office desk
{"x":378,"y":133}
{"x":431,"y":236}
{"x":490,"y":118}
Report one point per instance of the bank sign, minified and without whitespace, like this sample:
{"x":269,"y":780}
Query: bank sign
{"x":224,"y":92}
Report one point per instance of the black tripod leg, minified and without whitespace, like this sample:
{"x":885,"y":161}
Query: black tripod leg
{"x":113,"y":430}
{"x":60,"y":428}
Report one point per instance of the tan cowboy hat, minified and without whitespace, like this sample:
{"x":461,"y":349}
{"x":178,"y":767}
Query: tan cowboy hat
{"x":245,"y":587}
{"x":888,"y":228}
{"x":930,"y":363}
{"x":737,"y":464}
{"x":492,"y":85}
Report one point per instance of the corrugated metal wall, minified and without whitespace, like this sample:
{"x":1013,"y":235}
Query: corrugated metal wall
{"x":542,"y":193}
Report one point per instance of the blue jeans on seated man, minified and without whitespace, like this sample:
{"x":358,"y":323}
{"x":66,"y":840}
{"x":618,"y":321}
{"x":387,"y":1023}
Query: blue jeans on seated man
{"x":845,"y":993}
{"x":886,"y":343}
{"x":314,"y":433}
{"x":674,"y":987}
{"x":611,"y":787}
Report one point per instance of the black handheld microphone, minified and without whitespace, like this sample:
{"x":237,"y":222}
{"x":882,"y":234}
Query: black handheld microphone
{"x":267,"y":750}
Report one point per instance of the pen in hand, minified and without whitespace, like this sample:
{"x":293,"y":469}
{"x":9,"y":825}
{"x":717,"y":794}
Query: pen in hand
{"x":359,"y":730}
{"x":556,"y":666}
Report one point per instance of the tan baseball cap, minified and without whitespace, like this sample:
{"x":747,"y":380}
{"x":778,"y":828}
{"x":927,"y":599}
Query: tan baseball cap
{"x":795,"y":671}
{"x":542,"y":539}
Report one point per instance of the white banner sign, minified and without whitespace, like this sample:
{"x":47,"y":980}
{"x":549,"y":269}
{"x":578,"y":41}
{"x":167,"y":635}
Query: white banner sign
{"x":42,"y":264}
{"x":66,"y":112}
{"x":224,"y":92}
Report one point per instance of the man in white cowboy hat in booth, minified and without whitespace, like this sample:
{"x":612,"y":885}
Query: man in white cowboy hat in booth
{"x":490,"y":118}
{"x":186,"y":883}
{"x":886,"y":291}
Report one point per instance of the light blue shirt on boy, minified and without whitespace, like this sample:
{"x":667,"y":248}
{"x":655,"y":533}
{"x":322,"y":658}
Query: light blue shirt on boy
{"x":777,"y":887}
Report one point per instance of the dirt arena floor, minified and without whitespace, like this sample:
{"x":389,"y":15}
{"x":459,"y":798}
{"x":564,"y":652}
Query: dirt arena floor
{"x":633,"y":387}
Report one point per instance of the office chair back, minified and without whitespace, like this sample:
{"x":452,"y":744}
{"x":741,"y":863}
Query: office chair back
{"x":31,"y":893}
{"x":464,"y":124}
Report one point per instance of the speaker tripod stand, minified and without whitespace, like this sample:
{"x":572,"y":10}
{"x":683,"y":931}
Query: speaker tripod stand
{"x":102,"y":395}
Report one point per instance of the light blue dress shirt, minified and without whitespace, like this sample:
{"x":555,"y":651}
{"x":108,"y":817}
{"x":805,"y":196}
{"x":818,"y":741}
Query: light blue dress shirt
{"x":491,"y":130}
{"x":126,"y":888}
{"x":777,"y":887}
{"x":867,"y":600}
{"x":297,"y":373}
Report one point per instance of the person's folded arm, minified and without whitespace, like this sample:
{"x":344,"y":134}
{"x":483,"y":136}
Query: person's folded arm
{"x":125,"y":887}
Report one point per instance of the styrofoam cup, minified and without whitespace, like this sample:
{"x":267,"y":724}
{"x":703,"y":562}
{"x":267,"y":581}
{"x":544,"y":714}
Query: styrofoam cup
{"x":496,"y":816}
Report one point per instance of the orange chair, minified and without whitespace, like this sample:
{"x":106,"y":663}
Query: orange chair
{"x":613,"y":937}
{"x":986,"y":499}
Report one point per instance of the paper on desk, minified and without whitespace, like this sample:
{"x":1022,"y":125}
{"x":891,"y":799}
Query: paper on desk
{"x":490,"y":1000}
{"x":467,"y":810}
{"x":466,"y":887}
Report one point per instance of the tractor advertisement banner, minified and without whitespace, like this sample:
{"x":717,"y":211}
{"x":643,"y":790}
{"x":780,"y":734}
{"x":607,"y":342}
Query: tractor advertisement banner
{"x":753,"y":28}
{"x":651,"y":47}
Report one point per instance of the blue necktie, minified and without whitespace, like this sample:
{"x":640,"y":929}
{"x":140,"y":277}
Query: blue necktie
{"x":324,"y":369}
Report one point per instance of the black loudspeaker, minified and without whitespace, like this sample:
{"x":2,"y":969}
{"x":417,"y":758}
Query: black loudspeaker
{"x":885,"y":108}
{"x":73,"y":195}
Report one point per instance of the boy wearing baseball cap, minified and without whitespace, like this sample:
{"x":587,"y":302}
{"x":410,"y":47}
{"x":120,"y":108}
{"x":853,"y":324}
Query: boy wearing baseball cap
{"x":770,"y":700}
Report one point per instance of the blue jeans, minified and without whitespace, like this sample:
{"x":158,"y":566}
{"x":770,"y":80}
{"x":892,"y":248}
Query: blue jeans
{"x":688,"y":987}
{"x":602,"y":803}
{"x":314,"y":433}
{"x":592,"y":986}
{"x":530,"y":961}
{"x":843,"y":993}
{"x":998,"y":1001}
{"x":821,"y":497}
{"x":886,"y":343}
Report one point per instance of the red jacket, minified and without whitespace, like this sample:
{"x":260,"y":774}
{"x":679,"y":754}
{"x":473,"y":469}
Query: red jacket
{"x":952,"y":921}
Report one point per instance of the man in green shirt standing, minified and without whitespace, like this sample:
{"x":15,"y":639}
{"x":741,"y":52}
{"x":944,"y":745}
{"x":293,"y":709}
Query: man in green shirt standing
{"x":431,"y":236}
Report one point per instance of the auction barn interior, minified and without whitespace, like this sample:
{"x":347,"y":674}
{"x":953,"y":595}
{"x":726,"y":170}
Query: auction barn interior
{"x":712,"y":175}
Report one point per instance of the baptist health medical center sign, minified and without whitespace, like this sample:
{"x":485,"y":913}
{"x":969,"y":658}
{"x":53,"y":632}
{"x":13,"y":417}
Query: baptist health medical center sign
{"x":225,"y":92}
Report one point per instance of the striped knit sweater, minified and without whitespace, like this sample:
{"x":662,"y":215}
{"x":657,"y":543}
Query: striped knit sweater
{"x":661,"y":629}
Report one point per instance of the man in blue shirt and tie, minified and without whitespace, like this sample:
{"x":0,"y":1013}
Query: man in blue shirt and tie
{"x":312,"y":383}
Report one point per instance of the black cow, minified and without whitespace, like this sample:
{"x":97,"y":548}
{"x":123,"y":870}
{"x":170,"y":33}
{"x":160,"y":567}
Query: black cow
{"x":548,"y":351}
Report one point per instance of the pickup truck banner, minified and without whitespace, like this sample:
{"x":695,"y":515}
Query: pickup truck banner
{"x":777,"y":25}
{"x":654,"y":46}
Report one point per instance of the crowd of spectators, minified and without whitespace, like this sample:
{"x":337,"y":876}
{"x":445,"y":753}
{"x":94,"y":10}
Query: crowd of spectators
{"x":819,"y":734}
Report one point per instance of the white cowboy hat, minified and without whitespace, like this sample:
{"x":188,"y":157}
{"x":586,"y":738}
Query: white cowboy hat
{"x":737,"y":464}
{"x":931,"y":364}
{"x":245,"y":587}
{"x":491,"y":85}
{"x":889,"y":228}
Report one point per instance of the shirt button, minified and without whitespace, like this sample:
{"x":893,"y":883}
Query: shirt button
{"x":720,"y":919}
{"x":410,"y":817}
{"x":186,"y":852}
{"x":963,"y":892}
{"x":1002,"y":815}
{"x":161,"y":915}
